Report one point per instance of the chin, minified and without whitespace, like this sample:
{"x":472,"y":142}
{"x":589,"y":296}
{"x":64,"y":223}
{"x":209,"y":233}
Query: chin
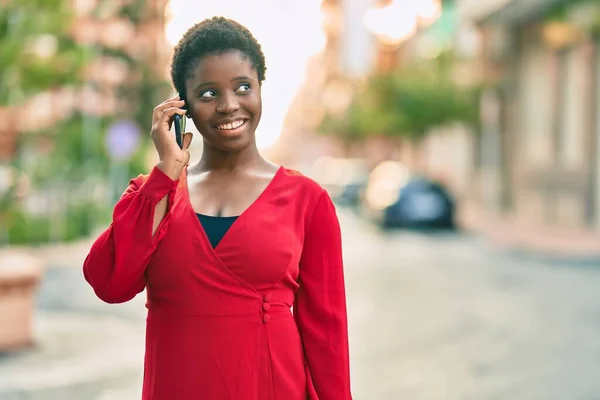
{"x":231,"y":140}
{"x":230,"y":144}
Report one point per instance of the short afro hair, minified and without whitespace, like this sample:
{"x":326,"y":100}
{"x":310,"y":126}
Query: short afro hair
{"x":216,"y":35}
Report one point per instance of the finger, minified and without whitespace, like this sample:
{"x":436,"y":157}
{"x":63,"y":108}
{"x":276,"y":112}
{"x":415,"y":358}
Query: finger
{"x":156,"y":115}
{"x":186,"y":157}
{"x":167,"y":114}
{"x":187,"y":140}
{"x":170,"y":104}
{"x":176,"y":102}
{"x":174,"y":98}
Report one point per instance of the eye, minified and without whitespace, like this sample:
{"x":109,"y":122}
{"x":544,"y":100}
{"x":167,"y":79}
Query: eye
{"x":243,"y":88}
{"x":208,"y":94}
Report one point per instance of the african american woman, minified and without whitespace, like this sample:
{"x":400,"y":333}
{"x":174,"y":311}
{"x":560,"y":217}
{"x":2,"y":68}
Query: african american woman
{"x":240,"y":258}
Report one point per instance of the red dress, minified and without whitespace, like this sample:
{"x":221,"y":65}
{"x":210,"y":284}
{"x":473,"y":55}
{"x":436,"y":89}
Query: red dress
{"x":220,"y":324}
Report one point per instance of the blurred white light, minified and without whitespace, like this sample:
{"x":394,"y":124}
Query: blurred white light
{"x":39,"y":111}
{"x":398,"y":20}
{"x":44,"y":46}
{"x":390,"y":170}
{"x":391,"y":24}
{"x":84,"y":7}
{"x":7,"y":178}
{"x":382,"y":194}
{"x":289,"y":36}
{"x":385,"y":182}
{"x":426,"y":9}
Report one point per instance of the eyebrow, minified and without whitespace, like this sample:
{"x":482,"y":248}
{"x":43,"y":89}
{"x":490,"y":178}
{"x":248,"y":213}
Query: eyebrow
{"x":243,"y":77}
{"x":237,"y":78}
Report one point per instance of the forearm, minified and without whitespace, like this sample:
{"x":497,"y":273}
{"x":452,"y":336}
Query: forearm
{"x":116,"y":264}
{"x":172,"y":170}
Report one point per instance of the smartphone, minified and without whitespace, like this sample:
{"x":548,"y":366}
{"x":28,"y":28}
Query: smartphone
{"x":179,"y":121}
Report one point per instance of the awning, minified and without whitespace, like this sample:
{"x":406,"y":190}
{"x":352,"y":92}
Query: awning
{"x":519,"y":11}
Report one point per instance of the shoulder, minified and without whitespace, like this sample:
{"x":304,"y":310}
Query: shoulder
{"x":305,"y":185}
{"x":309,"y":195}
{"x":313,"y":201}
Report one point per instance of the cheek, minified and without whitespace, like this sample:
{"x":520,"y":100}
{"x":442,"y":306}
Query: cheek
{"x":257,"y":106}
{"x":202,"y":113}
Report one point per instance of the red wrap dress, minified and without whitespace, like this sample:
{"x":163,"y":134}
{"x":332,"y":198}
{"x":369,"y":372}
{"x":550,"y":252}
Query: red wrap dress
{"x":220,"y":323}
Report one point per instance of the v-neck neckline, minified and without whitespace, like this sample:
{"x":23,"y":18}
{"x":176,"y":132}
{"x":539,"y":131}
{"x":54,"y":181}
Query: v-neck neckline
{"x":252,"y":205}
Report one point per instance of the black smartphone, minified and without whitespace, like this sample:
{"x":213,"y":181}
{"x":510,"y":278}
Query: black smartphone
{"x":179,"y":121}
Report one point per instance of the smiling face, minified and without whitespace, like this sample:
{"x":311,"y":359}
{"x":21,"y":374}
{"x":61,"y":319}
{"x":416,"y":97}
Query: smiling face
{"x":224,"y":101}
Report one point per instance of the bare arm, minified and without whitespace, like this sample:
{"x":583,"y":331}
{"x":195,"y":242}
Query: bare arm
{"x":172,"y":170}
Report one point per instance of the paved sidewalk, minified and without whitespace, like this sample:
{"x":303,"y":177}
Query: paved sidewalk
{"x":76,"y":356}
{"x":57,"y":255}
{"x":438,"y":316}
{"x":84,"y":348}
{"x":543,"y":241}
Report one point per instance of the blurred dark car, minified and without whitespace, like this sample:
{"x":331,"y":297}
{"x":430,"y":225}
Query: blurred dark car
{"x":421,"y":204}
{"x":394,"y":198}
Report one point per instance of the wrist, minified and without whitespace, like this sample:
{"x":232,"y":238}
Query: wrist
{"x":172,"y":169}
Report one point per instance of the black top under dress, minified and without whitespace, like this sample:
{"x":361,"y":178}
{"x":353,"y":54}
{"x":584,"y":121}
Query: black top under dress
{"x":215,"y":227}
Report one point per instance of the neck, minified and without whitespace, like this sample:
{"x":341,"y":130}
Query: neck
{"x":213,"y":159}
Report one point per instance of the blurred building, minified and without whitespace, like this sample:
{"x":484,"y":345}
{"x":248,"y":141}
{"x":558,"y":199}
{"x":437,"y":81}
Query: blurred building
{"x":536,"y":160}
{"x":540,"y":145}
{"x":447,"y":153}
{"x":362,"y":37}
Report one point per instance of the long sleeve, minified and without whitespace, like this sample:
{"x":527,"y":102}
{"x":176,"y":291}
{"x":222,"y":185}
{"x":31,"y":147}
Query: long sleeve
{"x":320,"y":307}
{"x":116,"y":264}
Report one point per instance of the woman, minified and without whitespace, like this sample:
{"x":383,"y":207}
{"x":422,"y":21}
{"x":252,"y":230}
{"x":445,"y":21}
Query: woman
{"x":227,"y":245}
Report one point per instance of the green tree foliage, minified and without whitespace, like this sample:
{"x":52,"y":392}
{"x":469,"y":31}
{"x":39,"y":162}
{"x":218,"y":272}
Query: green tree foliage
{"x":38,"y":53}
{"x":407,"y":103}
{"x":583,"y":15}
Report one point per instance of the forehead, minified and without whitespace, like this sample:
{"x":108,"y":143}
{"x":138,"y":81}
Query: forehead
{"x":222,"y":67}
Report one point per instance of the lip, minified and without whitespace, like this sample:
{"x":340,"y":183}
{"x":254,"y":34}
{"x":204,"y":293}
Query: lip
{"x":229,"y":121}
{"x":231,"y":132}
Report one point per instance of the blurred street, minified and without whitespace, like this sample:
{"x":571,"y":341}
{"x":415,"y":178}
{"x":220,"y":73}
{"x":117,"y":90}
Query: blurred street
{"x":439,"y":317}
{"x":479,"y":115}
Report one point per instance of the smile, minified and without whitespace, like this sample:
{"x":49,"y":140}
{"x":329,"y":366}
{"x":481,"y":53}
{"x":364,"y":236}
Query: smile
{"x":232,"y":126}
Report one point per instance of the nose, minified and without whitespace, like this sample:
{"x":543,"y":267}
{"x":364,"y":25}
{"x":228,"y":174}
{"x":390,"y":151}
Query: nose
{"x":227,"y":104}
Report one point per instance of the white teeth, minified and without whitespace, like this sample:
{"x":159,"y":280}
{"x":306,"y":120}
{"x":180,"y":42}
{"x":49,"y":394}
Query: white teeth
{"x":233,"y":125}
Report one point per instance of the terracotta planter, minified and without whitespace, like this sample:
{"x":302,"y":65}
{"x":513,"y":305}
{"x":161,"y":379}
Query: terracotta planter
{"x":20,"y":275}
